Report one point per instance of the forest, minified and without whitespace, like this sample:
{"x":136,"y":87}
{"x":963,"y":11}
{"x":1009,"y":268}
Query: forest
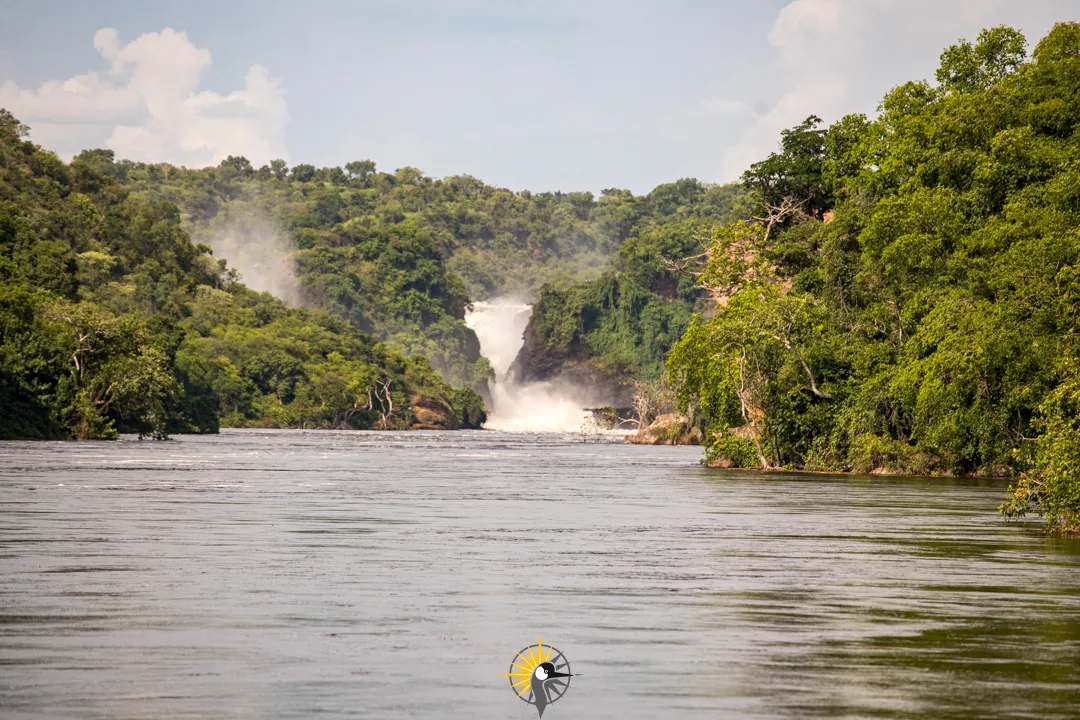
{"x":888,"y":294}
{"x":400,"y":255}
{"x":906,"y":298}
{"x":108,"y":271}
{"x":112,"y":320}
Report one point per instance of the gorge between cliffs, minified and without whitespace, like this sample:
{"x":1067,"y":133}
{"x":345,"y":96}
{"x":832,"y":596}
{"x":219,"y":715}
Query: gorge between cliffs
{"x":531,"y":392}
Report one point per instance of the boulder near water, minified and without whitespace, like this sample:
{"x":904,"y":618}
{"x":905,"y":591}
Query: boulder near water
{"x":432,"y":413}
{"x":670,"y":429}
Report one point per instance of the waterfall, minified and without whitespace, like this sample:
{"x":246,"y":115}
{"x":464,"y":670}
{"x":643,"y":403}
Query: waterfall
{"x":533,"y":407}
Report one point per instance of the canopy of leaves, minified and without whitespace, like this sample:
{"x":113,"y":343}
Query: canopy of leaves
{"x":112,"y":320}
{"x":400,"y":255}
{"x":921,"y":313}
{"x":626,"y":321}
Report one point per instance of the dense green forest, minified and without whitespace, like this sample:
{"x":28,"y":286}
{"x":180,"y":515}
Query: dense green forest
{"x":113,"y":320}
{"x":625,"y":322}
{"x":400,"y":255}
{"x":908,"y":299}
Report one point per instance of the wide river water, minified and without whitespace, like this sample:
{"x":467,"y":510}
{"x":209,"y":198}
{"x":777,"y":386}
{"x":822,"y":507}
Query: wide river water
{"x":395,"y":575}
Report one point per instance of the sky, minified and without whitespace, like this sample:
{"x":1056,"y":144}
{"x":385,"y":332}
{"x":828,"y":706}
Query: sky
{"x":554,"y":95}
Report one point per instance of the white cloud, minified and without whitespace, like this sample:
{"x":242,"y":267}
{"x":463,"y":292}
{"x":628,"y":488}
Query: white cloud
{"x":148,"y":106}
{"x":82,"y":99}
{"x":836,"y":57}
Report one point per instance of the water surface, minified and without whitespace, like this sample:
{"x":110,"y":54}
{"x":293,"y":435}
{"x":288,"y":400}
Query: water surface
{"x":394,"y":575}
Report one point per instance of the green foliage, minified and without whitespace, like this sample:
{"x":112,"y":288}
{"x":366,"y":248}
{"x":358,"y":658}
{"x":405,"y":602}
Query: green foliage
{"x":112,"y":320}
{"x":469,"y":408}
{"x":796,"y":171}
{"x":627,"y":320}
{"x":614,"y":321}
{"x":1052,"y":486}
{"x":400,"y":254}
{"x":996,"y":54}
{"x":394,"y":255}
{"x":926,"y":323}
{"x":732,"y":451}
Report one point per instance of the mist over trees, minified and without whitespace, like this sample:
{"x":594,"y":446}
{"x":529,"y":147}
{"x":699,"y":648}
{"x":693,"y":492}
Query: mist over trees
{"x":113,"y":320}
{"x":400,"y":255}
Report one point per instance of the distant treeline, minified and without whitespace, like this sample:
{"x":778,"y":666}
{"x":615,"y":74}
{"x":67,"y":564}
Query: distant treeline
{"x":400,"y":255}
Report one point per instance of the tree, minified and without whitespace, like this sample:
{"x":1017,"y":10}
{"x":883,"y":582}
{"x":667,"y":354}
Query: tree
{"x":114,"y":374}
{"x":279,"y":168}
{"x":795,"y":173}
{"x":1052,"y":487}
{"x":360,"y":169}
{"x":652,"y":398}
{"x":344,"y":388}
{"x":997,"y":52}
{"x":1061,"y":45}
{"x":303,"y":172}
{"x":237,"y":164}
{"x":11,"y":127}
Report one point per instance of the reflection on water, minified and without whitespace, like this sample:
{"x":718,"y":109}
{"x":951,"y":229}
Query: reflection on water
{"x":393,"y":575}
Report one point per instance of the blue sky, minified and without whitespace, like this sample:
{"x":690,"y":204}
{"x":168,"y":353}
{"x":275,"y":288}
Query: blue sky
{"x":528,"y":95}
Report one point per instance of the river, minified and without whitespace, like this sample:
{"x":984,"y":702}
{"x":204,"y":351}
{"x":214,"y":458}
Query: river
{"x":293,"y":574}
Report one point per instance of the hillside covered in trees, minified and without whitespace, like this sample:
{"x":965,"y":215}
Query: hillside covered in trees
{"x":620,"y":326}
{"x":398,"y":255}
{"x":113,"y":320}
{"x":910,"y":300}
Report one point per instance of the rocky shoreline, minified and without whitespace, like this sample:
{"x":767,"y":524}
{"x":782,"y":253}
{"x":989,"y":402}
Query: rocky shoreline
{"x":669,"y":429}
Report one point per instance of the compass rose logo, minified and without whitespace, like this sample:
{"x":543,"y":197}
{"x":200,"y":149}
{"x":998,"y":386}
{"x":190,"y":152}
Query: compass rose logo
{"x":539,"y":675}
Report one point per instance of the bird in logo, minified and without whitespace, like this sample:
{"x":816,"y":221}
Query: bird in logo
{"x":533,"y":672}
{"x":544,"y":673}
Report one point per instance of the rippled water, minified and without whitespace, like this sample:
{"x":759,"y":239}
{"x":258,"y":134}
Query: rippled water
{"x":380,"y":575}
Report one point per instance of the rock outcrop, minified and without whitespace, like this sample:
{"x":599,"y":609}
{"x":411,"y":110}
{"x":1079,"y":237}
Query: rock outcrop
{"x":720,"y":461}
{"x":572,"y":367}
{"x":431,"y":413}
{"x":670,"y":429}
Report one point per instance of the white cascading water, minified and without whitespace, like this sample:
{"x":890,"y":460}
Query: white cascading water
{"x":535,"y":407}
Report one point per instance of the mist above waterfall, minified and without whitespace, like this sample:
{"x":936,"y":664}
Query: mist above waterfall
{"x":259,"y":252}
{"x":537,"y":407}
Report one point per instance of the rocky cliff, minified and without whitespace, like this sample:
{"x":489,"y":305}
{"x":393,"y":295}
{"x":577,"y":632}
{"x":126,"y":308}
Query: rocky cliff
{"x":572,"y":366}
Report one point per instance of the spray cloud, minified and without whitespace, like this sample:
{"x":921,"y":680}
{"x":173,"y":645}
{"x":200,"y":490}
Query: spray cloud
{"x":259,"y":251}
{"x":538,"y":407}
